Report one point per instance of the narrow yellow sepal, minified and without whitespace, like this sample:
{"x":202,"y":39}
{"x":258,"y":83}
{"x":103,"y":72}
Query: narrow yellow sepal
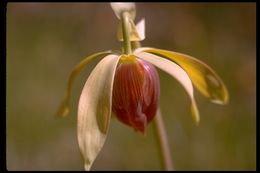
{"x":64,"y":107}
{"x":202,"y":76}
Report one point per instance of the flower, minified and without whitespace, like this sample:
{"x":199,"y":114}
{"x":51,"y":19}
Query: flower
{"x":128,"y":84}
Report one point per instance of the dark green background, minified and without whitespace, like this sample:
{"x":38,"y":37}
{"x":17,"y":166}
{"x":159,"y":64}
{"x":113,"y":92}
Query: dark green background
{"x":46,"y":40}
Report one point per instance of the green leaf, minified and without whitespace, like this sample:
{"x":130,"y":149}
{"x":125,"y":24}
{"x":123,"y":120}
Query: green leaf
{"x":202,"y":76}
{"x":64,"y":107}
{"x":94,"y":109}
{"x":175,"y":71}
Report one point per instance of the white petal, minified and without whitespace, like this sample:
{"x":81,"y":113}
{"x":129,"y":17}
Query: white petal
{"x":94,"y":109}
{"x":175,"y":71}
{"x":140,"y":27}
{"x":120,"y":7}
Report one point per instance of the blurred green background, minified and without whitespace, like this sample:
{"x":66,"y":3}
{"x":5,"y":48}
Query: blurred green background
{"x":46,"y":40}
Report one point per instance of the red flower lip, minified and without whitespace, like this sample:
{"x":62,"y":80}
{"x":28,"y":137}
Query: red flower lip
{"x":136,"y":92}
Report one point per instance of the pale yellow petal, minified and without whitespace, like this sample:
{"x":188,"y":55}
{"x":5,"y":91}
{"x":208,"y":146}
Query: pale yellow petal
{"x":64,"y":107}
{"x":202,"y":76}
{"x":175,"y":71}
{"x":94,"y":109}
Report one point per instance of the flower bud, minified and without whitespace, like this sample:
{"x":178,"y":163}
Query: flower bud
{"x":136,"y":92}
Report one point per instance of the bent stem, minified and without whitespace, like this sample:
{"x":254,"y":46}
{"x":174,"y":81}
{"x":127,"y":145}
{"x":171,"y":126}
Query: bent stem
{"x":125,"y":31}
{"x":162,"y":141}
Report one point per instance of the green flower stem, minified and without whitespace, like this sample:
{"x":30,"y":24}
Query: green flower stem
{"x":135,"y":44}
{"x":163,"y":144}
{"x":125,"y":31}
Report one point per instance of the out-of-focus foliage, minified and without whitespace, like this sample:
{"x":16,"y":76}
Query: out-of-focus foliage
{"x":46,"y":40}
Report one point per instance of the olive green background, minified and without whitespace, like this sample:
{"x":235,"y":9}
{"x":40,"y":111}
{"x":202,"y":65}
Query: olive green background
{"x":46,"y":40}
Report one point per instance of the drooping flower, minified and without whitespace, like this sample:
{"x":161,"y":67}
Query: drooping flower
{"x":127,"y":84}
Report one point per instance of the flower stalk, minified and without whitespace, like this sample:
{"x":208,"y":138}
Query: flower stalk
{"x":125,"y":30}
{"x":162,"y":141}
{"x":135,"y":45}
